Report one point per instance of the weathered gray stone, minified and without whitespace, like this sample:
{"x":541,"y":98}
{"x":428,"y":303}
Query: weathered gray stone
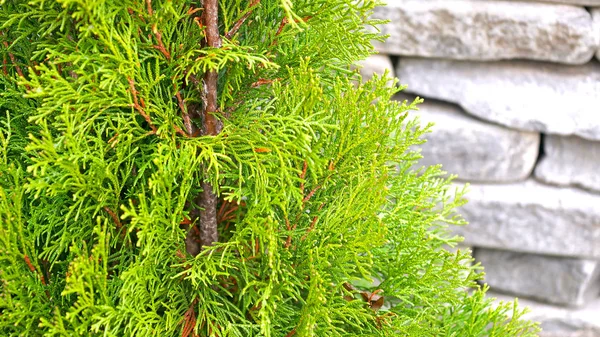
{"x":559,"y":321}
{"x":376,"y":64}
{"x":531,"y":217}
{"x":476,"y":150}
{"x":558,"y":280}
{"x":570,"y":161}
{"x":596,"y":18}
{"x":567,"y":2}
{"x":529,"y":96}
{"x":488,"y":30}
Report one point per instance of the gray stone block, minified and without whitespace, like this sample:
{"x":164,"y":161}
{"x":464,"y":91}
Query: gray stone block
{"x":533,"y":218}
{"x":376,"y":64}
{"x":570,"y":161}
{"x":529,"y":96}
{"x":476,"y":150}
{"x":566,"y":2}
{"x":558,"y":280}
{"x":596,"y":17}
{"x":488,"y":30}
{"x":560,"y":321}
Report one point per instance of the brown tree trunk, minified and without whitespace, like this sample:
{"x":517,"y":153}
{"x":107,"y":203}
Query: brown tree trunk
{"x":206,"y":218}
{"x":211,"y":125}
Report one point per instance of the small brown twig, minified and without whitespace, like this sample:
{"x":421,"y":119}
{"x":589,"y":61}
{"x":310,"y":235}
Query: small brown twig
{"x":262,"y":81}
{"x":4,"y":68}
{"x":32,"y":268}
{"x":160,"y":47}
{"x":189,"y":320}
{"x":187,"y":121}
{"x":149,"y":7}
{"x":193,"y":10}
{"x":310,"y":195}
{"x":291,"y":333}
{"x":115,"y":219}
{"x":303,"y":175}
{"x":288,"y":241}
{"x":181,"y":132}
{"x":284,"y":22}
{"x":313,"y":222}
{"x":13,"y":59}
{"x":240,"y":22}
{"x":137,"y":106}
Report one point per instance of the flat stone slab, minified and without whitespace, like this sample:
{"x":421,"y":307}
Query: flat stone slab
{"x":488,"y":30}
{"x":473,"y":149}
{"x":568,"y":2}
{"x":596,"y":18}
{"x":541,"y":97}
{"x":570,"y":161}
{"x":558,"y":280}
{"x":376,"y":64}
{"x":560,"y":321}
{"x":533,"y":218}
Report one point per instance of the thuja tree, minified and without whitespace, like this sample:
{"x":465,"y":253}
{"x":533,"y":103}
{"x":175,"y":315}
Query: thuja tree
{"x":184,"y":168}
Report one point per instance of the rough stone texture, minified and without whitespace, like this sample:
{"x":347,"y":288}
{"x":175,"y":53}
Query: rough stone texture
{"x":565,"y":281}
{"x":376,"y":64}
{"x":529,"y":96}
{"x":567,"y":2}
{"x":488,"y":30}
{"x":561,"y":322}
{"x":570,"y":161}
{"x":596,"y":18}
{"x":531,"y":217}
{"x":500,"y":154}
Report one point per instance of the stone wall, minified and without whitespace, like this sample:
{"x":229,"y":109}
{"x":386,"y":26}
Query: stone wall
{"x":514,"y":90}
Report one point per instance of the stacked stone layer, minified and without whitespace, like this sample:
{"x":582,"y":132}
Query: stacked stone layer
{"x":513,"y":87}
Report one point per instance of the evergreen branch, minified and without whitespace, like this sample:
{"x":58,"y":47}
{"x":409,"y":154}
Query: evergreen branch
{"x":240,"y":22}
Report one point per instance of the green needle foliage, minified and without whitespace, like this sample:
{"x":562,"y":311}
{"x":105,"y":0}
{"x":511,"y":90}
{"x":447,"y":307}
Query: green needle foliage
{"x":326,"y":225}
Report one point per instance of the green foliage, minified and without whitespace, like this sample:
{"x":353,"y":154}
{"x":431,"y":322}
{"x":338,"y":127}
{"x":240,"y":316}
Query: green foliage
{"x":327,"y":225}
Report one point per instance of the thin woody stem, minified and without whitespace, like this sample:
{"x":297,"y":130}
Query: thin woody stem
{"x":241,"y":21}
{"x":208,"y":199}
{"x":137,"y":106}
